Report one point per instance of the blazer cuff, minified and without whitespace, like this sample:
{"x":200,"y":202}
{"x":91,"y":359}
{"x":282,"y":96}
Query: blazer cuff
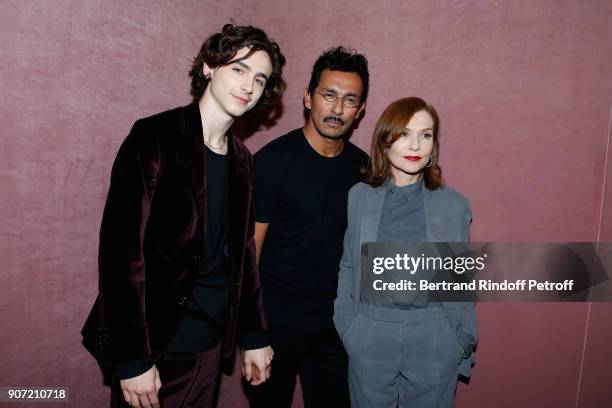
{"x":254,"y":340}
{"x":134,"y":368}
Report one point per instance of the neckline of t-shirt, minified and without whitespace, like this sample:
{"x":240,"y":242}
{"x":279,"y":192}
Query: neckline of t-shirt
{"x":317,"y":154}
{"x":214,"y":154}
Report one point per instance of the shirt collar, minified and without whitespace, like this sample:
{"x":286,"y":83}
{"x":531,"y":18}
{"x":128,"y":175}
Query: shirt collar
{"x":405,"y":191}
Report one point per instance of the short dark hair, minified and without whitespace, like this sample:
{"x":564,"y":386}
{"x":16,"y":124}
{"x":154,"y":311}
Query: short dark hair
{"x":344,"y":60}
{"x":220,"y":48}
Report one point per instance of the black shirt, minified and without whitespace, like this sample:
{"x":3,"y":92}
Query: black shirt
{"x":205,"y":318}
{"x":303,"y":196}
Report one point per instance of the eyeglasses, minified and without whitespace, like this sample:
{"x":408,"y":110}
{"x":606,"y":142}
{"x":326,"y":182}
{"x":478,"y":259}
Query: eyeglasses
{"x":349,"y":101}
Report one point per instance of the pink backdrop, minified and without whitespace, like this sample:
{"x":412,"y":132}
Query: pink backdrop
{"x":524,"y":93}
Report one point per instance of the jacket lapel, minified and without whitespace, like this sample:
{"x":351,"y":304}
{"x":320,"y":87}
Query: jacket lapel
{"x":440,"y":216}
{"x":373,"y":208}
{"x":371,"y":214}
{"x":192,"y":128}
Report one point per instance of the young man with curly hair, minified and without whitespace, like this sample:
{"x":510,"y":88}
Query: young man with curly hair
{"x":177,"y":271}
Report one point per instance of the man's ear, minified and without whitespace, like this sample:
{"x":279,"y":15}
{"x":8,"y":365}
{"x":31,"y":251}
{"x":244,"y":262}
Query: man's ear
{"x":307,"y":100}
{"x":208,"y":71}
{"x":360,"y":110}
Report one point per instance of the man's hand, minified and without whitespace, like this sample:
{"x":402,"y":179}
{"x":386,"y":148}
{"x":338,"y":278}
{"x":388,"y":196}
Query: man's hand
{"x":256,"y":364}
{"x":141,"y":391}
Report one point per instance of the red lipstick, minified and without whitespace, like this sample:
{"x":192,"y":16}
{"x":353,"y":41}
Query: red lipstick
{"x":413,"y":158}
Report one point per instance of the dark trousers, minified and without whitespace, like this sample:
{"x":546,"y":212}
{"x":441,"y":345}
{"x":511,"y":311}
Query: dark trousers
{"x":188,"y":380}
{"x":320,"y":360}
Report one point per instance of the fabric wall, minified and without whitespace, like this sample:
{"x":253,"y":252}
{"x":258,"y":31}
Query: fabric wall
{"x":596,"y":370}
{"x":523,"y":89}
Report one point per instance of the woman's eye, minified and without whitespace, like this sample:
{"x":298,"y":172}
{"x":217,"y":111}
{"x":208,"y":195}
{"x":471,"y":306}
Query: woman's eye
{"x":259,"y":82}
{"x":238,"y":70}
{"x":427,"y":135}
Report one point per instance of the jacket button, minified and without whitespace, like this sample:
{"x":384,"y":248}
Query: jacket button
{"x":182,"y":301}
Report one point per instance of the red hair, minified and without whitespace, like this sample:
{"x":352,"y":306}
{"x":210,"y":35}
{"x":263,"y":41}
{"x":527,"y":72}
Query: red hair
{"x":388,"y":129}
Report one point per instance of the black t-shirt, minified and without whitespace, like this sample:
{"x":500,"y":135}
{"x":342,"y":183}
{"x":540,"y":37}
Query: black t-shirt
{"x":303,"y":196}
{"x":205,"y":317}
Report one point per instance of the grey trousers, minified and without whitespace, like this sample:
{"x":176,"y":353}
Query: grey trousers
{"x":410,"y":357}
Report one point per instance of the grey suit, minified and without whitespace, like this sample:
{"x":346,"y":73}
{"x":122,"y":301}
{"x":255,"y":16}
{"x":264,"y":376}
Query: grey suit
{"x":447,"y":219}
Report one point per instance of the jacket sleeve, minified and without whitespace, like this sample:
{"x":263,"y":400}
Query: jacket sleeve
{"x":469,"y":325}
{"x":343,"y":305}
{"x":465,"y":312}
{"x":121,"y":258}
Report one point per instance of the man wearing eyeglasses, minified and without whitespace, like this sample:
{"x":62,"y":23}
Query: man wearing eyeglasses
{"x":301,"y":185}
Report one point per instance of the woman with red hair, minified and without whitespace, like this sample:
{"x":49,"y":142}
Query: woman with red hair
{"x":409,"y":352}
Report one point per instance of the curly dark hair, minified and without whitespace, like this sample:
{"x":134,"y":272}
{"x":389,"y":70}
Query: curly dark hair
{"x":220,"y":49}
{"x":340,"y":59}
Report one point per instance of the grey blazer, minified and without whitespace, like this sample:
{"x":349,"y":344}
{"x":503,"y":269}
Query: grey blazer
{"x":447,"y":219}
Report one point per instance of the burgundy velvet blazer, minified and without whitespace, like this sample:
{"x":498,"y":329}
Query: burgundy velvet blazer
{"x":152,"y":240}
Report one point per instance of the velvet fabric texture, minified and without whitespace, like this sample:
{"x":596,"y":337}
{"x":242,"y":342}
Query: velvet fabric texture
{"x":152,"y":240}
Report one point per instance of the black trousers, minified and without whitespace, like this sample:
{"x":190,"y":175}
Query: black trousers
{"x":321,"y":362}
